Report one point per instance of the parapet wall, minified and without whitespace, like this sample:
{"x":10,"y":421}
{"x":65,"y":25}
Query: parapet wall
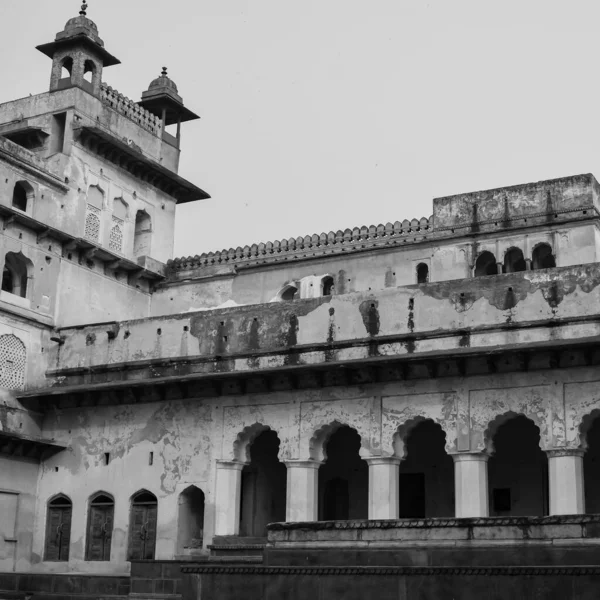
{"x":534,"y":204}
{"x":433,"y":319}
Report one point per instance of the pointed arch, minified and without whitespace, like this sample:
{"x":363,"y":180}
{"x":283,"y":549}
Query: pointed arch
{"x":499,"y":420}
{"x":190,"y":519}
{"x":101,"y":508}
{"x":514,"y":260}
{"x":58,"y":528}
{"x":142,"y":233}
{"x":542,"y":257}
{"x":485,"y":265}
{"x":17,"y":274}
{"x":244,"y":439}
{"x":517,"y":467}
{"x":142,"y":526}
{"x":23,"y":195}
{"x":327,"y":285}
{"x":288,"y":292}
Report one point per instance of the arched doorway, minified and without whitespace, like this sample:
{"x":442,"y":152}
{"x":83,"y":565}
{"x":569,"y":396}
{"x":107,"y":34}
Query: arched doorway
{"x":518,"y":470}
{"x":142,"y":526}
{"x":264,"y":482}
{"x":514,"y":261}
{"x":190,"y":523}
{"x":426,"y":474}
{"x":100,"y":526}
{"x":58,"y":529}
{"x":591,"y":468}
{"x":485,"y":265}
{"x":142,"y":234}
{"x":343,"y":479}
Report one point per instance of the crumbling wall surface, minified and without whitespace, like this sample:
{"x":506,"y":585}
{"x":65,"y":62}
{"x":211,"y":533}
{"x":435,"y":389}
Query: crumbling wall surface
{"x":17,"y":512}
{"x":542,"y":198}
{"x":466,"y":313}
{"x":187,"y":437}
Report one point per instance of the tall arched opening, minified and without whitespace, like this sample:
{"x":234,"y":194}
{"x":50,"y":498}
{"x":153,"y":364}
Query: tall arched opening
{"x":343,"y":478}
{"x":99,"y":527}
{"x":58,"y":529}
{"x":190,"y":522}
{"x":485,"y":265}
{"x":518,"y":470}
{"x":142,"y":234}
{"x":142,"y":526}
{"x":591,"y":468}
{"x":514,"y":261}
{"x":264,"y":481}
{"x":426,"y":474}
{"x":542,"y":257}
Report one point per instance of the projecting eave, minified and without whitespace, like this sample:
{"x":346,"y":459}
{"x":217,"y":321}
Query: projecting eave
{"x":51,"y":48}
{"x":131,"y":159}
{"x":174,"y":110}
{"x":22,"y":446}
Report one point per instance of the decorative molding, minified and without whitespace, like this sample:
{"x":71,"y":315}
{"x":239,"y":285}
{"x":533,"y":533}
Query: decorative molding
{"x":438,"y":523}
{"x":359,"y":238}
{"x":405,"y":571}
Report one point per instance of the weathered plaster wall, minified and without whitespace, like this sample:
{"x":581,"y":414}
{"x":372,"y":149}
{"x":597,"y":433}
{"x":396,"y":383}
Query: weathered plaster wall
{"x":90,"y":296}
{"x":447,"y":260}
{"x":18,"y":481}
{"x":483,"y":306}
{"x":187,"y":437}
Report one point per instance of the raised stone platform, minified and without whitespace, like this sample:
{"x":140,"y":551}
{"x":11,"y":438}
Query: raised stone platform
{"x":500,"y":558}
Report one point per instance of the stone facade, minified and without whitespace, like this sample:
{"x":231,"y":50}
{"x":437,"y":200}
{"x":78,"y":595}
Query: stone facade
{"x":438,"y":369}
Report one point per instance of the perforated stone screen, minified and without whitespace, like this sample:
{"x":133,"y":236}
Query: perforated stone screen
{"x":12,"y":362}
{"x":92,"y":222}
{"x":116,"y":235}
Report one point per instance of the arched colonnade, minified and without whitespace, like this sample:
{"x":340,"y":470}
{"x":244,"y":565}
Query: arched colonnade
{"x":423,"y":478}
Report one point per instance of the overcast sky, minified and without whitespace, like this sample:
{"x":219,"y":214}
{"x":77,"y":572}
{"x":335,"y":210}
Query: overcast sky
{"x":327,"y":114}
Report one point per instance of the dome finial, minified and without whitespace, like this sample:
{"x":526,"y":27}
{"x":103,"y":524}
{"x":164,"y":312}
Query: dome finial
{"x":83,"y":11}
{"x":164,"y":72}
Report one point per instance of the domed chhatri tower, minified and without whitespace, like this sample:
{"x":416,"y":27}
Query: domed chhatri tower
{"x":163,"y":100}
{"x":79,"y":50}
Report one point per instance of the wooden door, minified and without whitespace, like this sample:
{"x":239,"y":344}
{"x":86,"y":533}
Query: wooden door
{"x":58,"y":531}
{"x":142,"y":535}
{"x":100,"y":524}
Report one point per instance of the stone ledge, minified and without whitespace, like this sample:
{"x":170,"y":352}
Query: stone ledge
{"x":370,"y":571}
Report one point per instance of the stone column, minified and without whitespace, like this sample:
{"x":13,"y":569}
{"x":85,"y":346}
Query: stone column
{"x":471,"y":484}
{"x":227,"y":497}
{"x":565,"y":475}
{"x":499,"y":268}
{"x":384,"y":479}
{"x":302,"y":490}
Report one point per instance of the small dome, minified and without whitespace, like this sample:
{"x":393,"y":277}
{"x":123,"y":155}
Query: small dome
{"x":81,"y":22}
{"x":163,"y":81}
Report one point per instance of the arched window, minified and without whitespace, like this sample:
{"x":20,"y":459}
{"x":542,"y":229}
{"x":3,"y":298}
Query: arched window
{"x":514,"y":261}
{"x":66,"y":68}
{"x":191,"y":519}
{"x":22,"y":192}
{"x":99,"y":527}
{"x":143,"y":231}
{"x":142,"y":526}
{"x":89,"y":71}
{"x":542,"y":257}
{"x":13,"y":359}
{"x":15,"y":276}
{"x":288,"y":292}
{"x":422,"y":273}
{"x":328,"y":285}
{"x":486,"y":265}
{"x":58,"y":529}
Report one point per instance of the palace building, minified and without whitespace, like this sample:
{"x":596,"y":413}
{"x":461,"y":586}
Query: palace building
{"x":408,"y":410}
